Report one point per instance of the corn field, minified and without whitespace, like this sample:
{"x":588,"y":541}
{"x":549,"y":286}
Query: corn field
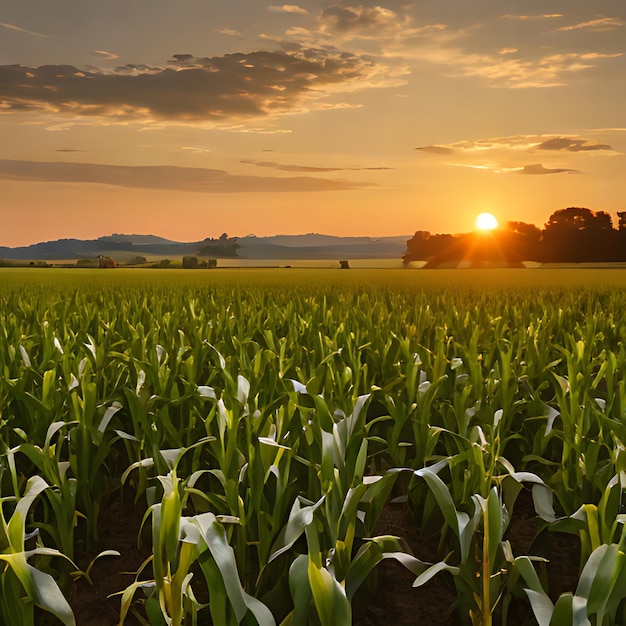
{"x":263,"y":420}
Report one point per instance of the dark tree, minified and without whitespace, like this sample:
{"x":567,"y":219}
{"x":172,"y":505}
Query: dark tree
{"x":225,"y":246}
{"x":527,"y":240}
{"x":575,"y":235}
{"x":424,"y":246}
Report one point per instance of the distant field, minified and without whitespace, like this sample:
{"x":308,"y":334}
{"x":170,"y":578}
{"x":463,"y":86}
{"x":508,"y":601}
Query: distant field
{"x":71,"y":279}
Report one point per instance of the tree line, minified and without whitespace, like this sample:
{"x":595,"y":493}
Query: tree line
{"x":571,"y":235}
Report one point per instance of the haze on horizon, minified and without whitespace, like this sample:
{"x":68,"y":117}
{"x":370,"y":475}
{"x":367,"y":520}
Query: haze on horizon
{"x":194,"y":118}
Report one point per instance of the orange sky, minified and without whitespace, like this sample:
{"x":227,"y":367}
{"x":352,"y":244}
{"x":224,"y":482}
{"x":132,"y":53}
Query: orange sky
{"x":190,"y":119}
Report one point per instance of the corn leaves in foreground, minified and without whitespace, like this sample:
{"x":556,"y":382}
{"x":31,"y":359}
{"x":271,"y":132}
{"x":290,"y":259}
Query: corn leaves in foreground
{"x":118,"y":375}
{"x":19,"y":578}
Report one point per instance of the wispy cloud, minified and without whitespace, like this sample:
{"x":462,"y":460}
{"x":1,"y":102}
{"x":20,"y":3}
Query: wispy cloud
{"x":109,"y":56}
{"x":308,"y":168}
{"x":207,"y":90}
{"x":572,"y":144}
{"x":69,"y":150}
{"x":531,"y":170}
{"x":539,"y":169}
{"x":503,"y":155}
{"x":195,"y":149}
{"x":23,"y":30}
{"x":190,"y":179}
{"x":598,"y":25}
{"x":541,"y":16}
{"x":522,"y":73}
{"x":287,"y":8}
{"x":520,"y":143}
{"x":229,"y":32}
{"x":436,"y":149}
{"x":496,"y":53}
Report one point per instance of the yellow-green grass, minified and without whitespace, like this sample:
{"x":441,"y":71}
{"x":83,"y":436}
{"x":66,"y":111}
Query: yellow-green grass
{"x":68,"y":278}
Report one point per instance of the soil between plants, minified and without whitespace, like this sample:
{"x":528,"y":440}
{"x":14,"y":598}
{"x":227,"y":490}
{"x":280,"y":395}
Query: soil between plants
{"x":394,"y":601}
{"x":119,"y":527}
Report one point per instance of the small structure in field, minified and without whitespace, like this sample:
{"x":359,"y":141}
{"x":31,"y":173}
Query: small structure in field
{"x":344,"y":265}
{"x":106,"y":261}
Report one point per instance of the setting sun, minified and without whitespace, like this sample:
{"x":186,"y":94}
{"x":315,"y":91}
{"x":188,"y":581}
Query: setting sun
{"x":486,"y":221}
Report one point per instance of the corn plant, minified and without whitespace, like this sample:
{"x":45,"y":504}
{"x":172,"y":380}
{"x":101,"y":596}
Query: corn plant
{"x":600,"y":593}
{"x":101,"y":372}
{"x":341,"y":551}
{"x":178,"y":542}
{"x":61,"y":496}
{"x":492,"y":484}
{"x":23,"y":585}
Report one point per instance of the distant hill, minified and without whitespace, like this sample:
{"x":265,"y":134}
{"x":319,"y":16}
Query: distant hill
{"x":314,"y":246}
{"x":110,"y":245}
{"x":307,"y":246}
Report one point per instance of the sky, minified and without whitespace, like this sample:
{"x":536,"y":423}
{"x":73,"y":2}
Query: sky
{"x":192,"y":118}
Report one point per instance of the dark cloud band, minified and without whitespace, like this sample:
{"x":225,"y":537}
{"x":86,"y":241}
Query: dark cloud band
{"x":193,"y":179}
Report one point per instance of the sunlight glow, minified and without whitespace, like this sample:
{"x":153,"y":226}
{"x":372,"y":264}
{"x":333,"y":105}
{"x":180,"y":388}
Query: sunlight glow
{"x":486,"y":221}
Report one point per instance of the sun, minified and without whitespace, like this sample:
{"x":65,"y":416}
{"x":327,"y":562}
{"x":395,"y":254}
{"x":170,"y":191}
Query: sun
{"x":486,"y":221}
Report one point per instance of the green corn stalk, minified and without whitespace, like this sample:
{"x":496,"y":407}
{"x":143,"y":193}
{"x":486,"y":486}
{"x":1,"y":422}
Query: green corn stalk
{"x":479,"y":544}
{"x":61,"y":495}
{"x":341,"y":551}
{"x":178,"y":543}
{"x":19,"y":579}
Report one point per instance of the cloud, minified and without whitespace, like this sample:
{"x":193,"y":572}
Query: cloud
{"x":23,"y":30}
{"x":506,"y":68}
{"x":191,"y":179}
{"x":196,"y":150}
{"x":509,"y":154}
{"x":519,"y":143}
{"x":615,"y":129}
{"x":69,"y":150}
{"x":543,"y":16}
{"x":572,"y":144}
{"x":308,"y":168}
{"x":287,"y":8}
{"x":230,"y":32}
{"x":599,"y":25}
{"x":109,"y":56}
{"x":191,"y":89}
{"x":517,"y":61}
{"x":538,"y":168}
{"x":364,"y":21}
{"x":507,"y":52}
{"x":374,"y":23}
{"x":535,"y":169}
{"x":437,"y":149}
{"x":523,"y":73}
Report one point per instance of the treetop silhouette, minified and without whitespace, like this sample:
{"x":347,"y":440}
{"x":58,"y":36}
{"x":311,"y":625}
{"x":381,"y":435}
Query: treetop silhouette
{"x":571,"y":235}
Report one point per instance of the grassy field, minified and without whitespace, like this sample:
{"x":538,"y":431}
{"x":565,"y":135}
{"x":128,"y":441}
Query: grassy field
{"x":540,"y":278}
{"x":264,"y":419}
